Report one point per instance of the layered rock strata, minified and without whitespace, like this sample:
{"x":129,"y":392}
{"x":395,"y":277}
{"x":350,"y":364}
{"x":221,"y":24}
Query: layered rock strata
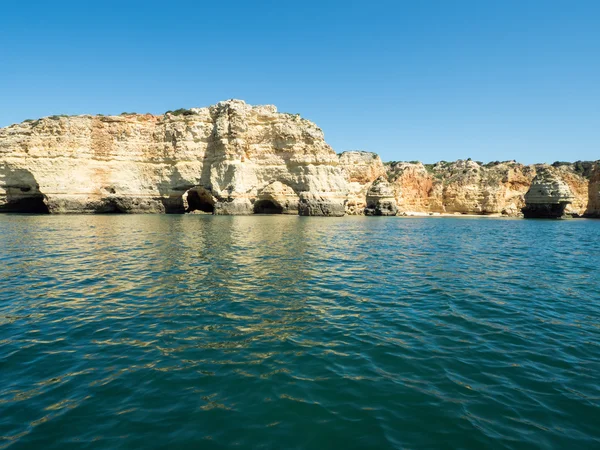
{"x":547,"y":197}
{"x":593,"y":206}
{"x":221,"y":159}
{"x":381,"y":200}
{"x":469,"y":187}
{"x":233,"y":158}
{"x":360,"y":169}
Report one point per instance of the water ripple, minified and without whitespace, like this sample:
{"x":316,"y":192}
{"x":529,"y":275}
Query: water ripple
{"x":289,"y":332}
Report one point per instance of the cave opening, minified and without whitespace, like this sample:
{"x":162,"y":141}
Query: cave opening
{"x":267,"y":207}
{"x":28,"y":205}
{"x":111,"y":207}
{"x":21,"y":192}
{"x":200,"y":200}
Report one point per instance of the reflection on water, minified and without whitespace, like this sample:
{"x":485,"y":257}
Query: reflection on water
{"x":284,"y":331}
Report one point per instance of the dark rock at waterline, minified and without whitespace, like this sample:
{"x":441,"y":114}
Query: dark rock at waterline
{"x":548,"y":196}
{"x":381,"y":200}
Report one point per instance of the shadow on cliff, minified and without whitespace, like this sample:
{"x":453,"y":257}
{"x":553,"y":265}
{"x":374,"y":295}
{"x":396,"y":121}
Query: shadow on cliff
{"x":21,"y":192}
{"x":178,"y":188}
{"x":180,"y":194}
{"x":197,"y":192}
{"x":216,"y":154}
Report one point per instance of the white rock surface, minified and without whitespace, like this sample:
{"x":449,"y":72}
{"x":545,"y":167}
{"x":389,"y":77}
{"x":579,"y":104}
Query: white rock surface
{"x":145,"y":163}
{"x":360,"y":169}
{"x":548,"y":195}
{"x":381,"y":200}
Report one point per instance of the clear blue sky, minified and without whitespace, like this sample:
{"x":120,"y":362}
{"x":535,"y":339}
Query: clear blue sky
{"x":412,"y":80}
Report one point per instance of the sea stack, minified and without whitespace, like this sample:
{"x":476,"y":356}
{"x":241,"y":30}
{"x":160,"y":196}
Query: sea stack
{"x":548,"y":196}
{"x":381,"y":200}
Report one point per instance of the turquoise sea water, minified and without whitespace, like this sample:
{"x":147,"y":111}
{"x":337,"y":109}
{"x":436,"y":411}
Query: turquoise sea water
{"x":293,"y":332}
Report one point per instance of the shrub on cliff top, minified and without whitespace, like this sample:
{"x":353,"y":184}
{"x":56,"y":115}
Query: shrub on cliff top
{"x":181,"y":112}
{"x":492,"y":164}
{"x":583,"y":168}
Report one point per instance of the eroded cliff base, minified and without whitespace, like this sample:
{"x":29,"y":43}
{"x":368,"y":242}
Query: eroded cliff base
{"x":234,"y":158}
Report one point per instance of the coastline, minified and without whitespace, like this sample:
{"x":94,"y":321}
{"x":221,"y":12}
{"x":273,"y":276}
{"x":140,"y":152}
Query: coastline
{"x":233,"y":158}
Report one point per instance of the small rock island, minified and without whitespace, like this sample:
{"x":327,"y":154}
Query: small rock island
{"x":548,"y":196}
{"x":234,"y":158}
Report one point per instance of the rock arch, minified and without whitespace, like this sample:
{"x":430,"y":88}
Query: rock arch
{"x":548,"y":196}
{"x":198,"y":199}
{"x":276,"y":198}
{"x":267,"y":207}
{"x":20,"y":192}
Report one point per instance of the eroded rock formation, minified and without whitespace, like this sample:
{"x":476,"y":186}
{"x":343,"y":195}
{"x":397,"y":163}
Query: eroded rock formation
{"x":416,"y":188}
{"x":20,"y":191}
{"x":593,"y":206}
{"x":233,"y":158}
{"x":469,"y":187}
{"x":548,"y":196}
{"x":277,"y":198}
{"x":381,"y":200}
{"x":145,"y":163}
{"x":360,"y":170}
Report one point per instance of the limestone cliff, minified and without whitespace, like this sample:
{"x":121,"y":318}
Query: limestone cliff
{"x":593,"y":208}
{"x":416,"y":188}
{"x":234,"y":158}
{"x":463,"y":186}
{"x":469,"y":187}
{"x":381,"y":200}
{"x":224,"y":158}
{"x":577,"y":183}
{"x":360,"y":170}
{"x":548,"y":195}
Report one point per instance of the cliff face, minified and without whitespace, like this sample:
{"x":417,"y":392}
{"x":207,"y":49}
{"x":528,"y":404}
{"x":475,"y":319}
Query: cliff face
{"x":228,"y":154}
{"x":416,"y":189}
{"x":593,"y":208}
{"x":461,"y":187}
{"x":360,"y":170}
{"x":578,"y":185}
{"x":233,"y":158}
{"x":468,"y":187}
{"x":548,"y":195}
{"x":381,"y":200}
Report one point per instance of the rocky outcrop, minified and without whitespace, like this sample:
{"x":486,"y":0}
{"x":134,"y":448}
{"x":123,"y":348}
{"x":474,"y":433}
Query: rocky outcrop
{"x":470,"y":187}
{"x":20,"y":191}
{"x":578,"y":184}
{"x":461,"y":187}
{"x":359,"y":169}
{"x":593,"y":206}
{"x":233,"y":158}
{"x":548,"y":196}
{"x":230,"y":152}
{"x":381,"y":200}
{"x":415,"y":188}
{"x":277,"y":198}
